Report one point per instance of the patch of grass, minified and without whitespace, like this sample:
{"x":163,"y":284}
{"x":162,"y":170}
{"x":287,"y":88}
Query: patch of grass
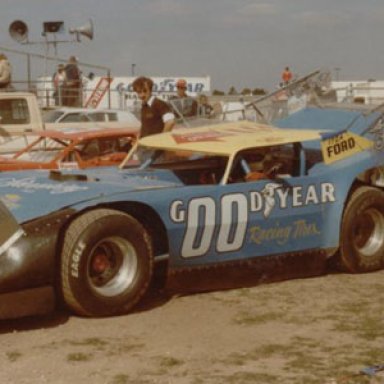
{"x":369,"y":328}
{"x":374,"y":356}
{"x":120,"y":379}
{"x":305,"y":342}
{"x":125,"y":379}
{"x":79,"y":356}
{"x":303,"y":361}
{"x":272,"y":350}
{"x":197,"y":380}
{"x":12,"y":356}
{"x":170,"y":362}
{"x":236,"y":359}
{"x":91,"y":342}
{"x":249,"y":378}
{"x":162,"y":366}
{"x":248,"y":318}
{"x":126,"y":348}
{"x":262,"y":352}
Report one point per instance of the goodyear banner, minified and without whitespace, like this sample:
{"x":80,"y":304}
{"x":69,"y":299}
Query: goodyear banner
{"x":341,"y":145}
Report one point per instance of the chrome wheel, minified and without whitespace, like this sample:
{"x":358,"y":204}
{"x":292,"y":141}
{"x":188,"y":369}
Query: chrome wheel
{"x":368,"y":232}
{"x":112,"y":266}
{"x":362,"y":231}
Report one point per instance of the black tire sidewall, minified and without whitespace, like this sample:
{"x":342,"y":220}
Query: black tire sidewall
{"x":92,"y":302}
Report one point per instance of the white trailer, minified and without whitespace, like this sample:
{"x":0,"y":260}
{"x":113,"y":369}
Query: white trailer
{"x":363,"y":91}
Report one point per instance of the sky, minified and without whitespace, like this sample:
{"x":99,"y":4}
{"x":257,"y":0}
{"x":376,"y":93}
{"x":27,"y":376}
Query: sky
{"x":240,"y":43}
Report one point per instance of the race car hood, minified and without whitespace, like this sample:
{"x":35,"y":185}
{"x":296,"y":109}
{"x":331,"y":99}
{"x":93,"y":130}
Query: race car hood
{"x":32,"y":194}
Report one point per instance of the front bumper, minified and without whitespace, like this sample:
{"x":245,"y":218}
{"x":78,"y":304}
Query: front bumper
{"x":35,"y":301}
{"x":28,"y":267}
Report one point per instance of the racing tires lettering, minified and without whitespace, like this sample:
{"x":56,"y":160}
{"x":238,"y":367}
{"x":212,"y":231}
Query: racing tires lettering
{"x":106,"y":263}
{"x":362,"y":232}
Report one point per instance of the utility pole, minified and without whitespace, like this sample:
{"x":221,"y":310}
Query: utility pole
{"x":337,"y":71}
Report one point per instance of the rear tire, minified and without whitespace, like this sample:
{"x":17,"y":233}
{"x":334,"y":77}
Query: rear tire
{"x":106,"y":263}
{"x":362,"y":232}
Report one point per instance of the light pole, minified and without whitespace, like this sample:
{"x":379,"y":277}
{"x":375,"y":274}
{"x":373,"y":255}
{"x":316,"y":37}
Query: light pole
{"x":133,"y":69}
{"x":337,"y":71}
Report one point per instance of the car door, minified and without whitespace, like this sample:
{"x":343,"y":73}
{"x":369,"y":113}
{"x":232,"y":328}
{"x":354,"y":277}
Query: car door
{"x":283,"y":208}
{"x":245,"y":218}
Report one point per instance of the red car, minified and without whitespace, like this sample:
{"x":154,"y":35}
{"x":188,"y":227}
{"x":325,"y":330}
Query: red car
{"x":71,"y":150}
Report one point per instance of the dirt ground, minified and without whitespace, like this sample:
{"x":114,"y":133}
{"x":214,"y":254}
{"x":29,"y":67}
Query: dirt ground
{"x":315,"y":330}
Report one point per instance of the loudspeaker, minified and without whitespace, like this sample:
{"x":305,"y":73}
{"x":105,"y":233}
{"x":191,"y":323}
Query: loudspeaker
{"x":86,"y":30}
{"x":18,"y":31}
{"x":53,"y":27}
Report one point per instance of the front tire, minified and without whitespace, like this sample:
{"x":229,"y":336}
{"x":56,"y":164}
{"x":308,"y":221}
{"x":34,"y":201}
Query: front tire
{"x":362,"y":232}
{"x":106,"y":263}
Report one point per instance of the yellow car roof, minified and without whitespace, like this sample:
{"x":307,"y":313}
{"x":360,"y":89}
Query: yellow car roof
{"x":226,"y":138}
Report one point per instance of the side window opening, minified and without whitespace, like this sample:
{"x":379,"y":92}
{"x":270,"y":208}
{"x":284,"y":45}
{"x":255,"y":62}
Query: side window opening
{"x":266,"y":163}
{"x":14,"y":111}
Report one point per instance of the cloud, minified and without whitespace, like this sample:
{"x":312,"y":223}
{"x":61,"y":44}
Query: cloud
{"x":323,"y":18}
{"x":377,"y":15}
{"x":168,"y":7}
{"x":258,"y":9}
{"x":246,"y":15}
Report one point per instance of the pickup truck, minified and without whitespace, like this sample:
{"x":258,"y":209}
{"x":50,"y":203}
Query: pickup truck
{"x":20,"y":113}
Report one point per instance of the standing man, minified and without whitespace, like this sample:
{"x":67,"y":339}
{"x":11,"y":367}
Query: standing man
{"x":184,"y":105}
{"x":58,"y":81}
{"x":73,"y":85}
{"x":286,"y":76}
{"x":5,"y":72}
{"x":156,"y":115}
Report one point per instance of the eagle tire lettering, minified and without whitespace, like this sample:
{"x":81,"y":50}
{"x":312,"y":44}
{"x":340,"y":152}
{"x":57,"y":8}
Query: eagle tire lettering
{"x":75,"y":259}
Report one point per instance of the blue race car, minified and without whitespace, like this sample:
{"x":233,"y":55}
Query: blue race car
{"x":222,"y":197}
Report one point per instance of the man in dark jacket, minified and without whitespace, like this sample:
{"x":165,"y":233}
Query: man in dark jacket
{"x":156,"y":115}
{"x":72,"y":86}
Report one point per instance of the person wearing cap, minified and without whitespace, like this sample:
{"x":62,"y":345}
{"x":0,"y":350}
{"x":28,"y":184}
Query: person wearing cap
{"x":73,"y":85}
{"x":5,"y":72}
{"x":58,"y":81}
{"x":183,"y":105}
{"x":156,"y":115}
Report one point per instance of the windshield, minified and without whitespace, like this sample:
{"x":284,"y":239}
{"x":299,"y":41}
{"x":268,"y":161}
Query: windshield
{"x":200,"y":167}
{"x":52,"y":116}
{"x":190,"y":167}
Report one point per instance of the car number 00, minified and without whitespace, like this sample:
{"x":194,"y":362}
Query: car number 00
{"x":201,"y":223}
